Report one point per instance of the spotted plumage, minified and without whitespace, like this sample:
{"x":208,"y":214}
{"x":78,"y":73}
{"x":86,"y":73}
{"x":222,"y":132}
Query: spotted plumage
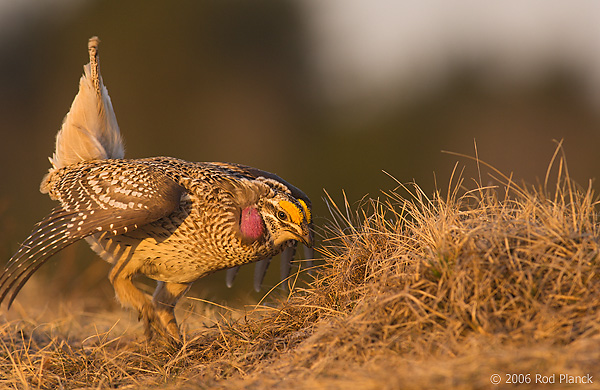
{"x":171,"y":220}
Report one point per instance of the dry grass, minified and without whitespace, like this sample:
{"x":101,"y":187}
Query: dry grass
{"x":415,"y":292}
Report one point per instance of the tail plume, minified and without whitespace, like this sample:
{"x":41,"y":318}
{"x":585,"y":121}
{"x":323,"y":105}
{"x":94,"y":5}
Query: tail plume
{"x":90,"y":130}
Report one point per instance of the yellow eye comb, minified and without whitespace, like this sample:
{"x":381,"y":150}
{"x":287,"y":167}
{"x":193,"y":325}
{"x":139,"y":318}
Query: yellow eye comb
{"x":292,"y":210}
{"x":306,"y":210}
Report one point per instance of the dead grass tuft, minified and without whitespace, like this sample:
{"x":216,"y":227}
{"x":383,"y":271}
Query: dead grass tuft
{"x":415,"y":292}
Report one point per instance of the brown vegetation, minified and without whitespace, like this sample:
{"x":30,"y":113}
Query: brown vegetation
{"x":415,"y":292}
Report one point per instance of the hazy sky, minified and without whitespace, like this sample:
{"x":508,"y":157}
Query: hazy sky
{"x":370,"y":47}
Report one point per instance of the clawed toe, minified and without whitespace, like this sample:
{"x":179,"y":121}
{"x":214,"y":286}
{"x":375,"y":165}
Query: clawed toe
{"x":154,"y":327}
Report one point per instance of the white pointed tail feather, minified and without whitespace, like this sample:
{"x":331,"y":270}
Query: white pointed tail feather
{"x":90,"y":130}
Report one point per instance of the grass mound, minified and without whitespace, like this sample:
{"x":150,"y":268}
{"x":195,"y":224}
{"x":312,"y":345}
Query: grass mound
{"x":416,"y":292}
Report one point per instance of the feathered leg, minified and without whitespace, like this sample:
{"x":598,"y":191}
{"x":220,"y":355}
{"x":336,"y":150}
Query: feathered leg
{"x":129,"y":295}
{"x":164,"y":299}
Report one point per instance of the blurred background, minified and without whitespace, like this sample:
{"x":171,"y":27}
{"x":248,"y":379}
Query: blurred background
{"x":327,"y":94}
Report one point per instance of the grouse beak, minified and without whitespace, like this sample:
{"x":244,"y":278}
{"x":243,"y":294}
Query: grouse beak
{"x":307,"y":239}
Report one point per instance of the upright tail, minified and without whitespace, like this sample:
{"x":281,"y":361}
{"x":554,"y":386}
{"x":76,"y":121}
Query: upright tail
{"x":90,"y":130}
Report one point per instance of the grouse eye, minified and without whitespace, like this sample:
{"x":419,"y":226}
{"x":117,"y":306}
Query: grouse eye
{"x":281,"y":215}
